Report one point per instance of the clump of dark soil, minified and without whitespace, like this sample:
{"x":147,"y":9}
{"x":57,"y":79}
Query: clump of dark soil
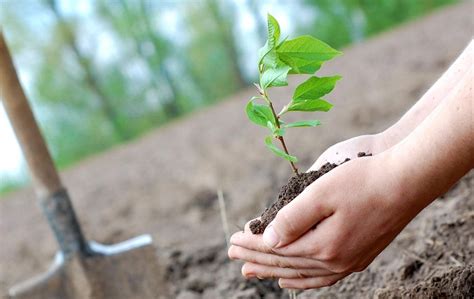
{"x":290,"y":191}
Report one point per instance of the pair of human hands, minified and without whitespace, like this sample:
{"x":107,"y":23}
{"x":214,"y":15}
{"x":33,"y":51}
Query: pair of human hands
{"x":336,"y":226}
{"x":342,"y":221}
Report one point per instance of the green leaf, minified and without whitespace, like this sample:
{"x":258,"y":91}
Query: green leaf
{"x":310,"y":105}
{"x":305,"y":54}
{"x":275,"y":77}
{"x":281,"y":42}
{"x":267,"y":54}
{"x":307,"y":48}
{"x":277,"y":151}
{"x":301,"y":66}
{"x":273,"y":31}
{"x":303,"y":123}
{"x":314,"y":88}
{"x":275,"y":131}
{"x":259,"y":114}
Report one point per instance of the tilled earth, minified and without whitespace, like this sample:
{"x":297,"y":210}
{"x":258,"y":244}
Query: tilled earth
{"x":165,"y":183}
{"x":432,"y":258}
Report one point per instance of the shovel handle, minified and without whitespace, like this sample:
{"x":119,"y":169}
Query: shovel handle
{"x":55,"y":201}
{"x":40,"y":164}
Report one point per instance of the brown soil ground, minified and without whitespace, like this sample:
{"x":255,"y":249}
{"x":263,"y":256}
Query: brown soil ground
{"x":165,"y":183}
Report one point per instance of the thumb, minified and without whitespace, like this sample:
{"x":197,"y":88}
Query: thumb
{"x":297,"y":217}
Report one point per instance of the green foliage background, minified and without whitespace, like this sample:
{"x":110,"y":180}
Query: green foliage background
{"x":104,"y":77}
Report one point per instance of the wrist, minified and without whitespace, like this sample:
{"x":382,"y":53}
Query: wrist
{"x":391,"y":136}
{"x":407,"y":187}
{"x":383,"y":141}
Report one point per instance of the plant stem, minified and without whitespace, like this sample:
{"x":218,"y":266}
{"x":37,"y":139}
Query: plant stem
{"x":277,"y":122}
{"x":293,"y":166}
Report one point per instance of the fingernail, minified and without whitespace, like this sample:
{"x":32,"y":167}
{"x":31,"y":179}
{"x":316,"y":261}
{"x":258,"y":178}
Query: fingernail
{"x":270,"y":238}
{"x":282,"y":285}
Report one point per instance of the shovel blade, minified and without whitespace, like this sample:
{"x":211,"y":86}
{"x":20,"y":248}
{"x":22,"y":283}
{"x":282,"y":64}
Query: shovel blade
{"x":126,"y":270}
{"x":64,"y":279}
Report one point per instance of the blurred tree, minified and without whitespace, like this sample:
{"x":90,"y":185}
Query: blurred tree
{"x":131,"y":21}
{"x":158,"y":60}
{"x":91,"y":80}
{"x":222,"y":16}
{"x":340,"y":22}
{"x":336,"y":22}
{"x":210,"y":59}
{"x":381,"y":15}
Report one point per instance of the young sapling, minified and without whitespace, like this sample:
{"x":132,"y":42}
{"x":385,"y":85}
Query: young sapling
{"x":278,"y":59}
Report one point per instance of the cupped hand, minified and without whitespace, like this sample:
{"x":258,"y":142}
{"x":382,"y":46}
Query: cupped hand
{"x":336,"y":226}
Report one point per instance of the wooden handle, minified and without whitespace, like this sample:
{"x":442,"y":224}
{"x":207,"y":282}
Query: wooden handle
{"x":40,"y":164}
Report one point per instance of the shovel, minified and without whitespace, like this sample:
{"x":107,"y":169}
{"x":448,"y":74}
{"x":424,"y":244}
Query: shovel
{"x":80,"y":269}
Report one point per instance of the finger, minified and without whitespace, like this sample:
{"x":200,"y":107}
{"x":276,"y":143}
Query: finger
{"x":250,"y":241}
{"x":297,"y":217}
{"x":309,"y":246}
{"x":263,"y":271}
{"x":267,"y":259}
{"x":310,"y":283}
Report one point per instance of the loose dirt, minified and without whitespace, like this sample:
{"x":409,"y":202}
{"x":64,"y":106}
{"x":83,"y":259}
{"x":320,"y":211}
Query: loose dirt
{"x":165,"y":182}
{"x":296,"y":184}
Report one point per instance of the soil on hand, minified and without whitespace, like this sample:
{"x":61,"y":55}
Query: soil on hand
{"x":296,"y":184}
